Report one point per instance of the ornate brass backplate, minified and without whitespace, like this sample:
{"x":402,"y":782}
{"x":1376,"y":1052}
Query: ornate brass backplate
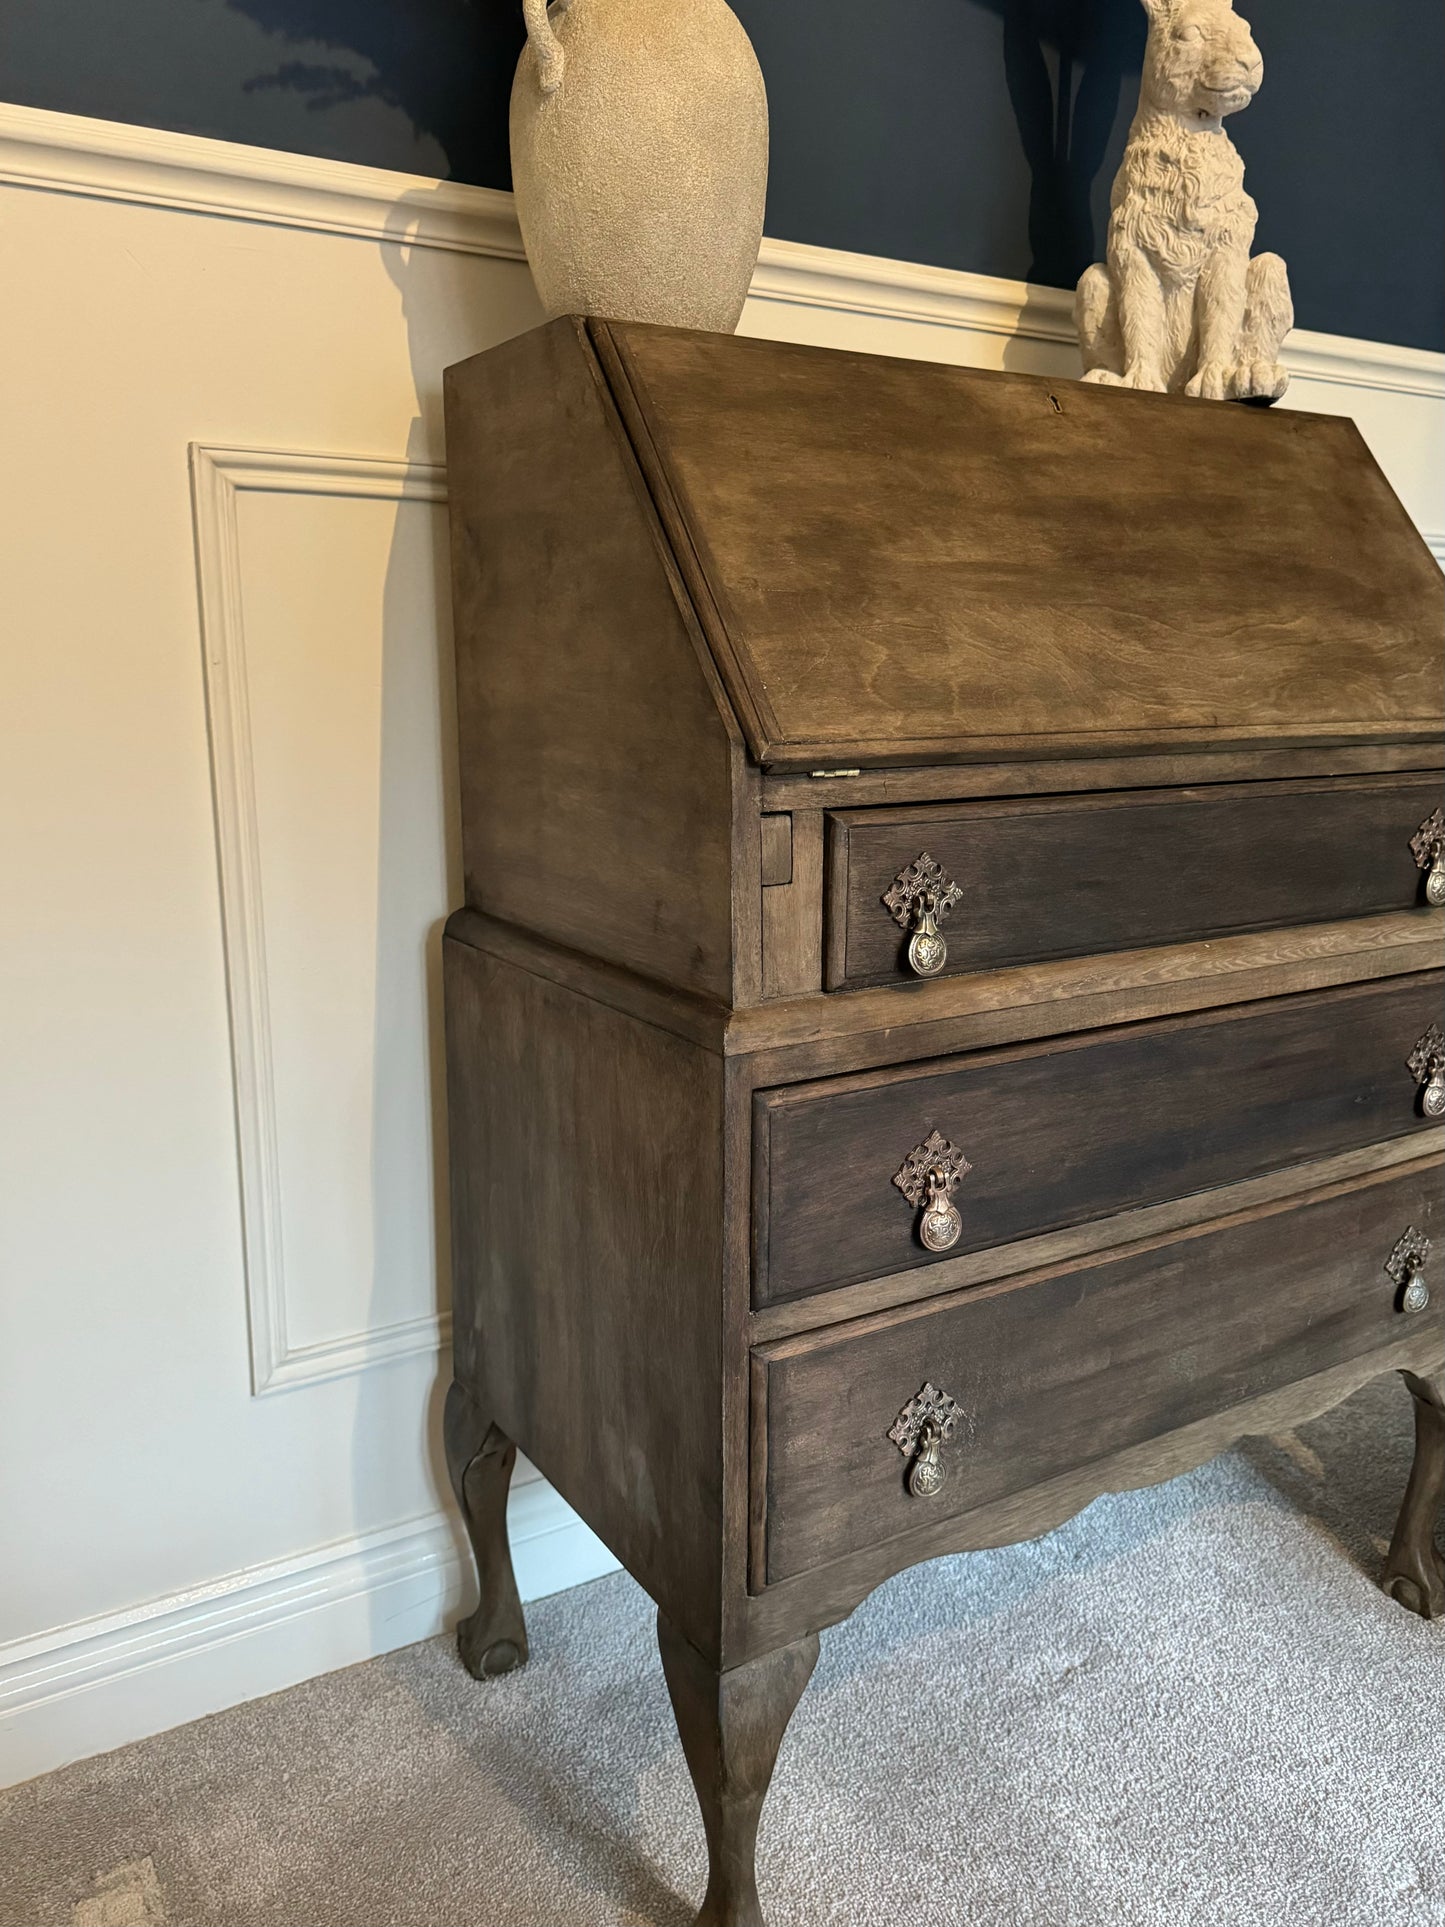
{"x":1427,"y":1066}
{"x":927,"y":1178}
{"x":927,"y":1421}
{"x":1427,"y":846}
{"x":1405,"y":1264}
{"x":920,"y":897}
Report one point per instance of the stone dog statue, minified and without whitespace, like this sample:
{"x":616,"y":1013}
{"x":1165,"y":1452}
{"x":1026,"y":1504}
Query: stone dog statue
{"x":1181,"y":305}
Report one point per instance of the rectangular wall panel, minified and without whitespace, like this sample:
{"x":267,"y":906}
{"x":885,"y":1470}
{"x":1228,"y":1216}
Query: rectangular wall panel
{"x":330,"y":696}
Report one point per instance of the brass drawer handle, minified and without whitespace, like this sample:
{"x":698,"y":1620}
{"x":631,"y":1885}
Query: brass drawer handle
{"x":1427,"y":1066}
{"x":921,"y":896}
{"x":1405,"y":1265}
{"x":1428,"y":848}
{"x":927,"y":1178}
{"x":925,"y":1423}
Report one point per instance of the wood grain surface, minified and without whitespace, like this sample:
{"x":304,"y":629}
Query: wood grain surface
{"x":1055,"y":1369}
{"x":731,"y":1724}
{"x":807,"y":1037}
{"x":1045,"y":776}
{"x":1079,"y":1127}
{"x":597,"y":764}
{"x":1168,"y":675}
{"x":1076,"y":876}
{"x":828,"y":1593}
{"x":792,"y":925}
{"x":899,"y":562}
{"x":587,"y":1227}
{"x":1415,"y":1568}
{"x":492,"y":1638}
{"x":951,"y":1273}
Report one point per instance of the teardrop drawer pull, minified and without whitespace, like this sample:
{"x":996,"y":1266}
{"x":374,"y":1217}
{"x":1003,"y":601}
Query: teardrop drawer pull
{"x":926,"y":1423}
{"x":927,"y":1177}
{"x":920,"y":898}
{"x":1427,"y":1067}
{"x":1428,"y":847}
{"x":1405,"y":1265}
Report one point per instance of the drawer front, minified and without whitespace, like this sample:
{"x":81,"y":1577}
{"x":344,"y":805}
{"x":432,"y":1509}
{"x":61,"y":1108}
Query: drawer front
{"x":1073,"y":876}
{"x":1058,"y":1369}
{"x":1061,"y":1132}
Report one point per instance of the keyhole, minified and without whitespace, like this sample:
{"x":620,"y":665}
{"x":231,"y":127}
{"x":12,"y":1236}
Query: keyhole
{"x":1056,"y":404}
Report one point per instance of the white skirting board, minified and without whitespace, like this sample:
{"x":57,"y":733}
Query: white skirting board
{"x":86,"y":1688}
{"x":235,"y":1281}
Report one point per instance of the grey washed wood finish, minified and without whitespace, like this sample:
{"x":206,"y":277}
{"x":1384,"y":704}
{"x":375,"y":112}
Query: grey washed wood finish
{"x":690,"y":570}
{"x":1089,"y":1359}
{"x":897,"y":562}
{"x":1076,"y":876}
{"x":1415,"y":1571}
{"x":1078,"y":1127}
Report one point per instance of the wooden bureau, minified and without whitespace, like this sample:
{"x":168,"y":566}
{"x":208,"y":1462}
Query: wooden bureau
{"x":947,"y":1021}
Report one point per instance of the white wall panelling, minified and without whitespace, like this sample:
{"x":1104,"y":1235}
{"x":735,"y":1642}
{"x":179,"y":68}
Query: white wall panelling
{"x":147,"y":165}
{"x":363,"y":1149}
{"x":232,"y":863}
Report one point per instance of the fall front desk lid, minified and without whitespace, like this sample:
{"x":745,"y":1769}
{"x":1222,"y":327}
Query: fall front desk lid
{"x":899,"y":562}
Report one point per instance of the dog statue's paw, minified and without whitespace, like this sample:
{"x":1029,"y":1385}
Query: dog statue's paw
{"x":1106,"y":375}
{"x":1261,"y":381}
{"x":1214,"y":381}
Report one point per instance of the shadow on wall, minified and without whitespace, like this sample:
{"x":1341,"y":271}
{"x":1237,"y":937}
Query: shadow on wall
{"x":420,"y":802}
{"x":447,"y":65}
{"x":1064,"y":64}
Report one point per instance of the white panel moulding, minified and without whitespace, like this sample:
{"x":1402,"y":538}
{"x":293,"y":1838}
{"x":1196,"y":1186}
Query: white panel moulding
{"x":218,"y":475}
{"x":67,"y":153}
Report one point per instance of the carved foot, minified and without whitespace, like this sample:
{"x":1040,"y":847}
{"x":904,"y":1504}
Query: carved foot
{"x":731,"y":1725}
{"x":1415,"y":1571}
{"x":1261,"y":381}
{"x":1214,"y":381}
{"x":1268,"y":318}
{"x":480,"y":1458}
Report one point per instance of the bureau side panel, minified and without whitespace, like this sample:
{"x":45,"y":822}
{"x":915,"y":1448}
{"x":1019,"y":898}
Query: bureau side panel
{"x":596,"y":766}
{"x":587,"y":1200}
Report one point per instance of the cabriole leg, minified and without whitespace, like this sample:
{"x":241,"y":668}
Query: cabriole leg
{"x":480,"y":1459}
{"x":1415,"y":1573}
{"x":732,"y":1725}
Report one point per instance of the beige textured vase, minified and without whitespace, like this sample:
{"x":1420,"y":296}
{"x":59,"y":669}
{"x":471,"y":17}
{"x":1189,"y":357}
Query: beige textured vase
{"x":640,"y":159}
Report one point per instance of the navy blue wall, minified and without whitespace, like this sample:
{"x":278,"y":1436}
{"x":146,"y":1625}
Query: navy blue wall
{"x":929,"y":130}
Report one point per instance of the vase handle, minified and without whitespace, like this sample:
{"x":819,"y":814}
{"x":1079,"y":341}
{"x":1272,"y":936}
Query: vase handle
{"x":551,"y":60}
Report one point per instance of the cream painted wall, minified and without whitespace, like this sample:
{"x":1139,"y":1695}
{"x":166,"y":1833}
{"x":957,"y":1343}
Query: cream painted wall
{"x":225,"y":795}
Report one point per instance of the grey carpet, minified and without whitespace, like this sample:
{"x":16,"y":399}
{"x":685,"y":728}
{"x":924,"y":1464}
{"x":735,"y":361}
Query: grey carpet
{"x":1190,"y":1706}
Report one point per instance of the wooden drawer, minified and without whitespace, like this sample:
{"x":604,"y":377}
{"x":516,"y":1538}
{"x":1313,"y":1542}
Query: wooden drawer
{"x":1058,"y":1368}
{"x":1073,"y":875}
{"x":1077,"y":1128}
